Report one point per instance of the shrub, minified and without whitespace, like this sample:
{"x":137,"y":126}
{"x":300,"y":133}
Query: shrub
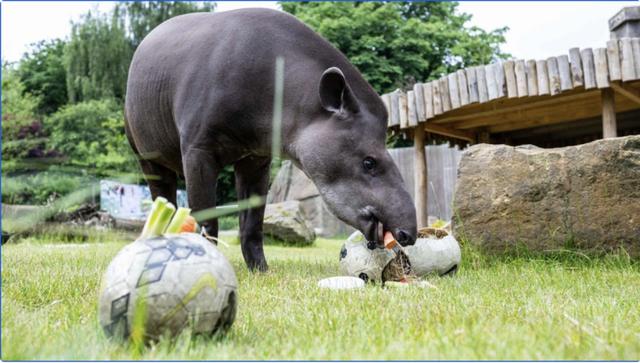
{"x":40,"y":188}
{"x":91,"y":136}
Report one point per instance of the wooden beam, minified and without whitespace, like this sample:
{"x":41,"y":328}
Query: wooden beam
{"x":626,"y":91}
{"x":445,"y":131}
{"x":519,"y":106}
{"x":420,"y":169}
{"x":609,"y":126}
{"x":584,"y":109}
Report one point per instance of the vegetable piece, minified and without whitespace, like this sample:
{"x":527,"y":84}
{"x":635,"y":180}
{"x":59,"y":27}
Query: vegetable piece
{"x":156,"y":208}
{"x":178,"y":220}
{"x":189,"y":226}
{"x":389,"y":241}
{"x":159,"y":218}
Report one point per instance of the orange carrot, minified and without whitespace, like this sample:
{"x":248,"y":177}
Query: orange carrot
{"x":389,"y":241}
{"x":189,"y":225}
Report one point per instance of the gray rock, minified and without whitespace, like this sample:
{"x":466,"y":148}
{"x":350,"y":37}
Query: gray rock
{"x":285,"y":221}
{"x":585,"y":196}
{"x":292,"y":184}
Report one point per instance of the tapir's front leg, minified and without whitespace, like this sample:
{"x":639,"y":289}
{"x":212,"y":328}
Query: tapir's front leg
{"x":252,"y":178}
{"x":201,"y":176}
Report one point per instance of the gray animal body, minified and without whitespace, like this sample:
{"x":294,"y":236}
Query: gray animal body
{"x":200,"y":96}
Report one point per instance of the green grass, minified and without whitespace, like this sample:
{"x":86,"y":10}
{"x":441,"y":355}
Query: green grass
{"x":565,"y":306}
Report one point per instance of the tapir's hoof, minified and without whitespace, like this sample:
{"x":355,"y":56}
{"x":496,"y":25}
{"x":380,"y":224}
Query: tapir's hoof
{"x":258,"y":266}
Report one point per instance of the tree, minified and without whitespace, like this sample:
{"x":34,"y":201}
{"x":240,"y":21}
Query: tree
{"x":98,"y":55}
{"x":97,"y":59}
{"x":396,"y":44}
{"x":43,"y":74}
{"x":142,"y":17}
{"x":22,"y":134}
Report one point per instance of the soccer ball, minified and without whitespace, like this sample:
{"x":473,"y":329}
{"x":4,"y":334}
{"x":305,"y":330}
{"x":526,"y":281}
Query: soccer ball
{"x":434,"y":255}
{"x":162,"y":285}
{"x":356,"y":259}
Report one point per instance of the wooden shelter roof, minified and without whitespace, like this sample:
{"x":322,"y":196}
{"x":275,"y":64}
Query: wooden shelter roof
{"x":514,"y":95}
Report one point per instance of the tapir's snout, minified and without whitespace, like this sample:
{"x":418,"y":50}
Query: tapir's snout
{"x":398,"y":217}
{"x":404,"y":237}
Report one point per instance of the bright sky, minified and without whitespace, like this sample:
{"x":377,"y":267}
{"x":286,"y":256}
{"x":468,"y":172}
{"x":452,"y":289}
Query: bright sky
{"x":537,"y":29}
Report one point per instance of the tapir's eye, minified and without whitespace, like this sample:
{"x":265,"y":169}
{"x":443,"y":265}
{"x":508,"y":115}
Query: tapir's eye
{"x":369,"y":163}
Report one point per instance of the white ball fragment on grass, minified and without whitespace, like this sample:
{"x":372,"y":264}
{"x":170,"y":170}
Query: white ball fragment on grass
{"x":341,"y":283}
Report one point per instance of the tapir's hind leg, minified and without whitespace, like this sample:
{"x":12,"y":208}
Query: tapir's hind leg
{"x":201,"y":175}
{"x":162,"y":180}
{"x":252,"y":178}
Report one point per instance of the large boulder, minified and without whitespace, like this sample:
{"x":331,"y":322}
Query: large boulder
{"x":285,"y":221}
{"x":585,"y":196}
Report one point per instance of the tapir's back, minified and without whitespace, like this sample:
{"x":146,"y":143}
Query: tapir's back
{"x":198,"y":71}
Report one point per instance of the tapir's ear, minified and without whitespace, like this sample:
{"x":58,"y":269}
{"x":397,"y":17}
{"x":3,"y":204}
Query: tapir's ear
{"x":335,"y":93}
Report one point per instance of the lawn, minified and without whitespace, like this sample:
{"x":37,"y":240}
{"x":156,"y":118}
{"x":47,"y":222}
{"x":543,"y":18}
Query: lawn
{"x":566,"y":306}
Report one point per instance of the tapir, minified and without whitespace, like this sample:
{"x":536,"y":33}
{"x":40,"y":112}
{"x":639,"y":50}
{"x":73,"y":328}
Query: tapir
{"x":200,"y":96}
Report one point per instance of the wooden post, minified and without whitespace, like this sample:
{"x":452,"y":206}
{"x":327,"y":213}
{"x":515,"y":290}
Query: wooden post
{"x":454,"y":94}
{"x":532,"y":78}
{"x":602,"y":71}
{"x":543,"y":78}
{"x":421,"y":190}
{"x":521,"y":78}
{"x":437,"y":98}
{"x":501,"y":82}
{"x":554,"y":76}
{"x":421,"y":112}
{"x":626,"y":60}
{"x":510,"y":76}
{"x":472,"y":82}
{"x":412,"y":115}
{"x":566,"y":83}
{"x":444,"y":94}
{"x":386,"y":100}
{"x":613,"y":56}
{"x":482,"y":84}
{"x":588,"y":68}
{"x":428,"y":99}
{"x":404,"y":115}
{"x":609,"y":126}
{"x":492,"y":86}
{"x":577,"y":76}
{"x":463,"y":88}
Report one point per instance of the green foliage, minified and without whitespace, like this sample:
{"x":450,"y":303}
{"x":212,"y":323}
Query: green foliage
{"x":97,"y":58}
{"x":22,"y":134}
{"x":228,"y":223}
{"x":396,"y":44}
{"x":91,"y":136}
{"x":142,"y":17}
{"x":43,"y":74}
{"x":18,"y":106}
{"x":40,"y":188}
{"x":225,"y":189}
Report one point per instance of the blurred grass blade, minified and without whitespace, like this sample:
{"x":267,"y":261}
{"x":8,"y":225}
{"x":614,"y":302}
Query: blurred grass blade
{"x":276,"y":135}
{"x":217,"y":212}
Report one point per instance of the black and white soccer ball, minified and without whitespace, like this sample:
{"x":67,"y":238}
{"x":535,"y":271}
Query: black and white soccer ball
{"x":356,"y":259}
{"x":163,"y":285}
